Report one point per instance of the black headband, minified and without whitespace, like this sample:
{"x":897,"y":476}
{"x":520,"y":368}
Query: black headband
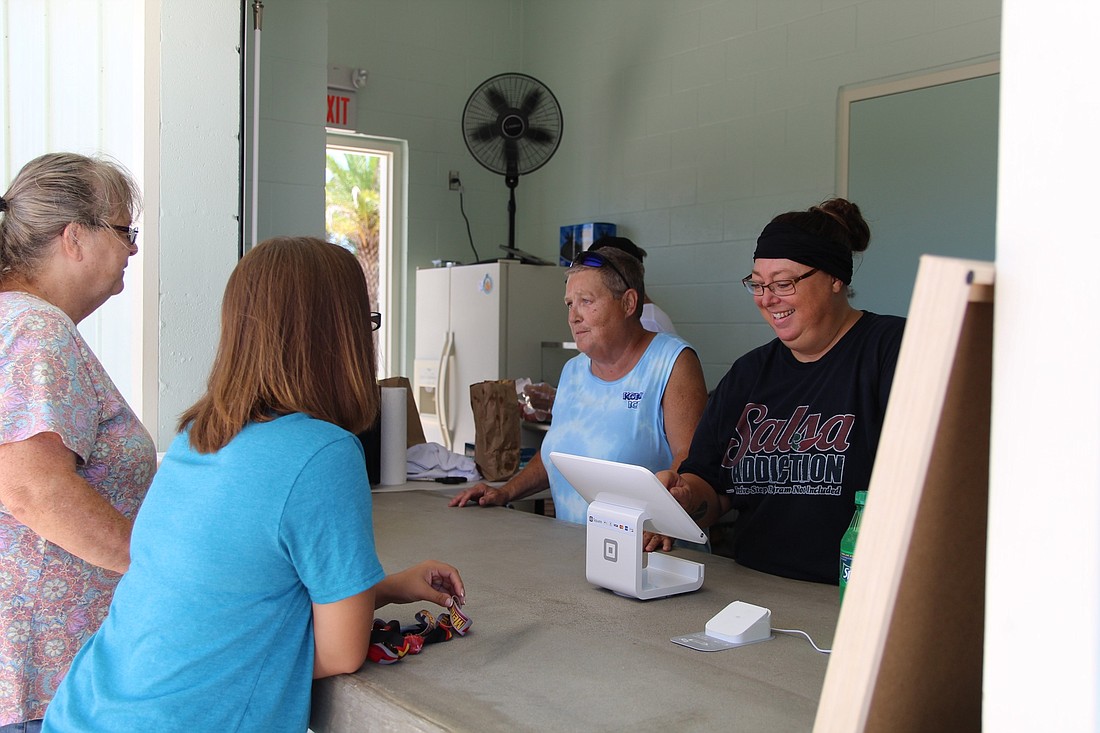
{"x":784,"y":241}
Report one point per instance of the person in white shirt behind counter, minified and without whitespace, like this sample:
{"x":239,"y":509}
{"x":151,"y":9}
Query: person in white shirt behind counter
{"x":653,"y":318}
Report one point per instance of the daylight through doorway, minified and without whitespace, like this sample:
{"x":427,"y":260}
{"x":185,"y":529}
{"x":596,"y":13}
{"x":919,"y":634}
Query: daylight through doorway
{"x":357,"y":195}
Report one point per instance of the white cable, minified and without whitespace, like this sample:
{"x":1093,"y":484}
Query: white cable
{"x":803,"y":633}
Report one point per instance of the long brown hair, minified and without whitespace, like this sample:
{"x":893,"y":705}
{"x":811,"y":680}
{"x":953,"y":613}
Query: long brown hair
{"x":295,"y":337}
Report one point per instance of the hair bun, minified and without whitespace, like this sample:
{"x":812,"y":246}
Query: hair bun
{"x":848,"y":216}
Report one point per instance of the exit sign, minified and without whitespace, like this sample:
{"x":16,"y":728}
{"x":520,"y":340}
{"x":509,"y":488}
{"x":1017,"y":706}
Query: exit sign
{"x":341,"y":108}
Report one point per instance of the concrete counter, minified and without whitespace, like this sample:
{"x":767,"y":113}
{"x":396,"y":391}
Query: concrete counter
{"x":549,"y":651}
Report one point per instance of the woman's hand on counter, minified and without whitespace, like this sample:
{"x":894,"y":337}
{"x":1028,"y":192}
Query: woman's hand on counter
{"x":482,"y":494}
{"x":531,"y":479}
{"x":431,"y":580}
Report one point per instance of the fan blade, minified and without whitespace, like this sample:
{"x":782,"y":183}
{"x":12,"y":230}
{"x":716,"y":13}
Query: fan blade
{"x":531,"y":102}
{"x":539,"y":135}
{"x":486,"y":132}
{"x":497,"y":100}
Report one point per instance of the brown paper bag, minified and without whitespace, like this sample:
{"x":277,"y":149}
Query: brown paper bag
{"x":414,"y":431}
{"x":496,"y":428}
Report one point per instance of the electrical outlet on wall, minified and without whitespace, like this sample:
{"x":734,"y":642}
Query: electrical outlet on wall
{"x":454,"y":183}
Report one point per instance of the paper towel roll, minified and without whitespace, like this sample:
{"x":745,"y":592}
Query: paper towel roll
{"x":394,"y":452}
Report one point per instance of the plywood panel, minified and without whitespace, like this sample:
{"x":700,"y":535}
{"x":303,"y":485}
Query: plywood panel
{"x":908,"y":650}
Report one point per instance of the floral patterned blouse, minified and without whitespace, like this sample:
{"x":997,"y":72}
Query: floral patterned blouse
{"x":51,"y":601}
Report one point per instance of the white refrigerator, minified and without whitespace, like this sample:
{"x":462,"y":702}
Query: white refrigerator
{"x":496,"y":320}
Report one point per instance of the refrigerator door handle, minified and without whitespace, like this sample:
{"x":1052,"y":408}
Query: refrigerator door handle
{"x":442,"y":389}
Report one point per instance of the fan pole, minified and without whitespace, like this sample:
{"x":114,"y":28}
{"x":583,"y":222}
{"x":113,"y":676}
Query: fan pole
{"x":511,"y":182}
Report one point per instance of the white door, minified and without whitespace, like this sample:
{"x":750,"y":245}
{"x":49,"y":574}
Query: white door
{"x":476,"y":322}
{"x":433,"y":313}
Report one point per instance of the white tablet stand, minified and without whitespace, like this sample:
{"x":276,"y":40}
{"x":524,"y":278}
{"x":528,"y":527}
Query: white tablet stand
{"x":623,"y":499}
{"x":614,"y":558}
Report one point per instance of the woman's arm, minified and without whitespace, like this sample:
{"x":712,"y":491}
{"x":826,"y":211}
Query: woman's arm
{"x":341,"y":634}
{"x":531,"y":479}
{"x":40,"y":487}
{"x":697,"y":497}
{"x":341,"y":630}
{"x":683,"y":403}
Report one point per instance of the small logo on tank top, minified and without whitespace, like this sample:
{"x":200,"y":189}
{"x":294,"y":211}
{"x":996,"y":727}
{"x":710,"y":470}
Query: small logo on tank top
{"x":632,"y":399}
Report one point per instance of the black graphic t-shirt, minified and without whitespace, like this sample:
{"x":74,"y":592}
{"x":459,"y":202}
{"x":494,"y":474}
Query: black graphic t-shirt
{"x":791,"y":443}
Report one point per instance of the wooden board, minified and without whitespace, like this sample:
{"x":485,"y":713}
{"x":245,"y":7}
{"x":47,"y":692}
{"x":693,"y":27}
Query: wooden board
{"x":907,"y":655}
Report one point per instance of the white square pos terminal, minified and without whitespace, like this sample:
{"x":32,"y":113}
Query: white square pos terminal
{"x":625,"y":500}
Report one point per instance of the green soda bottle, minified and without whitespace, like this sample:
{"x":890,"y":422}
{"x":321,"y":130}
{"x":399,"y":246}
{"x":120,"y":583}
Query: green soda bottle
{"x":848,"y":542}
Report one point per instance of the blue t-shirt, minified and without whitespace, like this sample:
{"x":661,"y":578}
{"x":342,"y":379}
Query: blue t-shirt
{"x":616,"y":421}
{"x":211,"y":628}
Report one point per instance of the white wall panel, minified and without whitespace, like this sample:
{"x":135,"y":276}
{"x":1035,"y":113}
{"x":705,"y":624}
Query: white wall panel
{"x":71,"y":73}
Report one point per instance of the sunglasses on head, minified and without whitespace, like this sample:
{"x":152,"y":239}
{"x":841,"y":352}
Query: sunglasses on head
{"x":595,"y":259}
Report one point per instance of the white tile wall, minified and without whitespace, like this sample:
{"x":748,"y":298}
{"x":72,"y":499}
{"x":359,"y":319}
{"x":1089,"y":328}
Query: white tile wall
{"x":689,"y":123}
{"x":84,"y":97}
{"x":196,"y":122}
{"x":737,"y":108}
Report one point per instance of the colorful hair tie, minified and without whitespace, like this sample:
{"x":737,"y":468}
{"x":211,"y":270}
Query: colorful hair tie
{"x":390,"y":642}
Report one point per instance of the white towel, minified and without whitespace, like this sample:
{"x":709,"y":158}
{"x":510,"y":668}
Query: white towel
{"x":431,"y":460}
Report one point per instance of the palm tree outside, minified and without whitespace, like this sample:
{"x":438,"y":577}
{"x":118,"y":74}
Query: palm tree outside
{"x":352,"y":196}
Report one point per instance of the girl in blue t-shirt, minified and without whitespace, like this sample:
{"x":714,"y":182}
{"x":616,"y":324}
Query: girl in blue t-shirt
{"x":253,"y":569}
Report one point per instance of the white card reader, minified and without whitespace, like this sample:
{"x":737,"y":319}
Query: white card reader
{"x":741,"y":623}
{"x":736,"y":625}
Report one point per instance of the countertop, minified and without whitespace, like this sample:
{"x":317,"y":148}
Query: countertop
{"x":548,"y":650}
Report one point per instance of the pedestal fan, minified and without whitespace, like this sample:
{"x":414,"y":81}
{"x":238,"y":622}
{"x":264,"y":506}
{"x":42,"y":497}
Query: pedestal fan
{"x":512,"y":125}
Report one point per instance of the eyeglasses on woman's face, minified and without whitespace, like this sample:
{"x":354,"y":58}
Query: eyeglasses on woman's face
{"x":778,"y":287}
{"x":375,"y":321}
{"x":130,"y":233}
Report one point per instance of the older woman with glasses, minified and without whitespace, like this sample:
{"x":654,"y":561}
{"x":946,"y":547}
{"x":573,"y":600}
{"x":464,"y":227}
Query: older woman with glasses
{"x":75,"y":462}
{"x":631,"y":395}
{"x":790,"y":433}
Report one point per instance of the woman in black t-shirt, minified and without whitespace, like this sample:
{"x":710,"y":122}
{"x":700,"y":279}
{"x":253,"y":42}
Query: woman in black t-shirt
{"x":791,"y":432}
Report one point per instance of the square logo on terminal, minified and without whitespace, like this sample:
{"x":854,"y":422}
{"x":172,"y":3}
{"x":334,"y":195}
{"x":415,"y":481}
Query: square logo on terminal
{"x":610,"y":550}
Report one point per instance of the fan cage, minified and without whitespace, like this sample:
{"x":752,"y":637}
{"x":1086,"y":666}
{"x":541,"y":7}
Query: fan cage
{"x":534,"y":147}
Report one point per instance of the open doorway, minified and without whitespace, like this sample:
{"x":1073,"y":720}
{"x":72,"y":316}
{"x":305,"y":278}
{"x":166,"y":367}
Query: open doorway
{"x":364,"y":212}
